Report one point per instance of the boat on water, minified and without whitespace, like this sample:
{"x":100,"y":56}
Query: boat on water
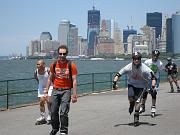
{"x":16,"y":58}
{"x":119,"y":58}
{"x":96,"y":58}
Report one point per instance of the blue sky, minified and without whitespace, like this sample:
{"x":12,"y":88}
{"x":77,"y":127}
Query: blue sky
{"x":24,"y":20}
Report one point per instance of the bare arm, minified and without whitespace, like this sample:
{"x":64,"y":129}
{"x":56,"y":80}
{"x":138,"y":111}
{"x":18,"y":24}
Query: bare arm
{"x":74,"y":96}
{"x":48,"y":83}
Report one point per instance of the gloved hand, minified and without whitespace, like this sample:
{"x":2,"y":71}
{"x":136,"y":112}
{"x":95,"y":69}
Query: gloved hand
{"x":115,"y":85}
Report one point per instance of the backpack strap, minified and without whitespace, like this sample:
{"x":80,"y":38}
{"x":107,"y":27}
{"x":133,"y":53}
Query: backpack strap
{"x":54,"y":66}
{"x":35,"y":75}
{"x":70,"y":73}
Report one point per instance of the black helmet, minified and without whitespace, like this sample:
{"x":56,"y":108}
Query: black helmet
{"x":169,"y":59}
{"x":136,"y":55}
{"x":156,"y":52}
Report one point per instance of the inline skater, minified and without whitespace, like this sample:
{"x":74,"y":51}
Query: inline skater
{"x":172,"y":69}
{"x":155,"y":65}
{"x":138,"y":76}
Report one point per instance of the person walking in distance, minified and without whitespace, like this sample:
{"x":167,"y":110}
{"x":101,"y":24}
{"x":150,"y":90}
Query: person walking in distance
{"x":63,"y":73}
{"x":172,"y":69}
{"x":156,"y":66}
{"x":41,"y":75}
{"x":138,"y":76}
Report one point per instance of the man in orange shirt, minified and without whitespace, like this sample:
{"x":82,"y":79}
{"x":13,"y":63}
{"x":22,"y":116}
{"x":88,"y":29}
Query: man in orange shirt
{"x":63,"y":74}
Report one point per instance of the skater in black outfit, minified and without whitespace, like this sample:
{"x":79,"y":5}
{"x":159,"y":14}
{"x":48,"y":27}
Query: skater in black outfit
{"x":172,"y":69}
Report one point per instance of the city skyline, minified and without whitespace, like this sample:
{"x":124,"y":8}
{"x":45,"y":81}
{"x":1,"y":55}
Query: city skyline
{"x":23,"y":21}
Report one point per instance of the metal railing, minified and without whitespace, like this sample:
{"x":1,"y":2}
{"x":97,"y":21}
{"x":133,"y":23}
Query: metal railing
{"x":20,"y":92}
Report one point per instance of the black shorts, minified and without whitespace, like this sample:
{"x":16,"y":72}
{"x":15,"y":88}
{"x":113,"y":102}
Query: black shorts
{"x":134,"y":91}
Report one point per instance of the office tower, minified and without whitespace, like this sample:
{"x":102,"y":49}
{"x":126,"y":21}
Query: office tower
{"x":82,"y":45}
{"x":45,"y":36}
{"x":108,"y":26}
{"x":68,"y":35}
{"x":117,"y":36}
{"x":126,"y":33}
{"x":169,"y":43}
{"x":93,"y":30}
{"x":34,"y":48}
{"x":73,"y":40}
{"x":176,"y":32}
{"x":63,"y":32}
{"x":155,"y":20}
{"x":161,"y":42}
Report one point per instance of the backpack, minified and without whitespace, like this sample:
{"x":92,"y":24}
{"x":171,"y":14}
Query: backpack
{"x":70,"y":71}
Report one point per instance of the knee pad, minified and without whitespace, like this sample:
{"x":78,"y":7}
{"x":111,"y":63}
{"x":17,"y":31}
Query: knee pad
{"x":145,"y":95}
{"x":136,"y":113}
{"x":153,"y":93}
{"x":131,"y":99}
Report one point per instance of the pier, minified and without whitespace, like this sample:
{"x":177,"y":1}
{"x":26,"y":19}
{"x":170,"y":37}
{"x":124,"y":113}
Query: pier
{"x":104,"y":113}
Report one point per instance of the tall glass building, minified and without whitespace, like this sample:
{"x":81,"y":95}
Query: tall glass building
{"x":45,"y":36}
{"x":126,"y":33}
{"x":68,"y":35}
{"x":93,"y":30}
{"x":176,"y":32}
{"x":155,"y":20}
{"x":63,"y":32}
{"x":169,"y":43}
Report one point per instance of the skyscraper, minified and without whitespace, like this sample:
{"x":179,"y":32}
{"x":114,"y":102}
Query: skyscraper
{"x":176,"y":32}
{"x":68,"y":35}
{"x":93,"y":30}
{"x":155,"y":20}
{"x":169,"y":43}
{"x":45,"y":36}
{"x":126,"y":33}
{"x":63,"y":32}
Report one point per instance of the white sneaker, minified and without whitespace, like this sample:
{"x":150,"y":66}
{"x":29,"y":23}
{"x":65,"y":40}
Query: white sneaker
{"x":48,"y":117}
{"x":63,"y":134}
{"x":142,"y":109}
{"x":40,"y":118}
{"x":153,"y":109}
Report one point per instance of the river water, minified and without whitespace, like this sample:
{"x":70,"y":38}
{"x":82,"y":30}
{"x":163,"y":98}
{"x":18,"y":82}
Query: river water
{"x":20,"y":69}
{"x":25,"y":90}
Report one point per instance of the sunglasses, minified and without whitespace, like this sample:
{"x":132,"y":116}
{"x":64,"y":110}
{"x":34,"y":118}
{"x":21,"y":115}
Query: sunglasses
{"x":62,"y":53}
{"x":137,"y":59}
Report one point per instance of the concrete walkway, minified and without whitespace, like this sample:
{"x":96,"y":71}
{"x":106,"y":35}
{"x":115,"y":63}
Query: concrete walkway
{"x":101,"y":114}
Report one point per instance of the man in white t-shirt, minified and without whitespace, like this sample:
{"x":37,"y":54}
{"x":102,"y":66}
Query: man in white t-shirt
{"x":156,"y":66}
{"x":138,"y":76}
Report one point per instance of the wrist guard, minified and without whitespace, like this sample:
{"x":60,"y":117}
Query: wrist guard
{"x":114,"y":84}
{"x":118,"y":75}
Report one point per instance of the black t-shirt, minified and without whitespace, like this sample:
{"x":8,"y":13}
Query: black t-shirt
{"x":171,"y":68}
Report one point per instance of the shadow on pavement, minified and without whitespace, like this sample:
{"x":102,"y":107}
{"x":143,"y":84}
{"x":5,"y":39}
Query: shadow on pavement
{"x":140,"y":123}
{"x":150,"y":115}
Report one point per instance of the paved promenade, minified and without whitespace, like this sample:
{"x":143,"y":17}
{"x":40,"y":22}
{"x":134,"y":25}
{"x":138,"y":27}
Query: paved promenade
{"x":101,"y":114}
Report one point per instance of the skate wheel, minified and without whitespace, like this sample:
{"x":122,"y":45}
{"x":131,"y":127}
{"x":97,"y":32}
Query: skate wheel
{"x":48,"y":122}
{"x":136,"y":124}
{"x":40,"y":122}
{"x":152,"y":115}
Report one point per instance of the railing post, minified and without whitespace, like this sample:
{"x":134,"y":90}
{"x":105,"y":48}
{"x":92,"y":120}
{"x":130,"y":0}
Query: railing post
{"x":126,"y":81}
{"x":111,"y":80}
{"x":93,"y":82}
{"x":7,"y":92}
